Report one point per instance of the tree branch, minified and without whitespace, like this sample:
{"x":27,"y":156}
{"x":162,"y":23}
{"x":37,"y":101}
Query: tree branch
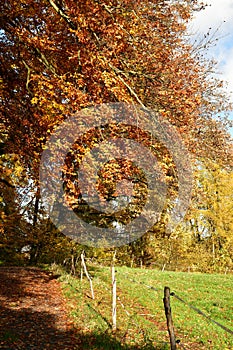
{"x":133,"y":93}
{"x":7,"y":183}
{"x":28,"y":76}
{"x":72,"y":25}
{"x":44,"y":60}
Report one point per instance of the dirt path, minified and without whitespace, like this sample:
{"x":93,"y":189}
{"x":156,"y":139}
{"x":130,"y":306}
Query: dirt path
{"x":32,"y":312}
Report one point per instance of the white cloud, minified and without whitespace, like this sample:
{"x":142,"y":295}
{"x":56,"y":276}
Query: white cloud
{"x":215,"y":14}
{"x":218,"y":15}
{"x":227,"y":68}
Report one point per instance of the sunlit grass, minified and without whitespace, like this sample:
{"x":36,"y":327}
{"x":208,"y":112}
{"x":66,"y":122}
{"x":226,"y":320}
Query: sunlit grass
{"x":141,"y":322}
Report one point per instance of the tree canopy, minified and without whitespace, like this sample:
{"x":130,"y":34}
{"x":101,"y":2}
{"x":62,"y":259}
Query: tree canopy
{"x":61,"y":56}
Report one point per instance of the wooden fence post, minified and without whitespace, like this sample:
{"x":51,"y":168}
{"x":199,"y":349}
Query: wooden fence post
{"x":114,"y":297}
{"x":81,"y":272}
{"x":73,"y":270}
{"x":83,"y":264}
{"x":167,"y":307}
{"x":114,"y":294}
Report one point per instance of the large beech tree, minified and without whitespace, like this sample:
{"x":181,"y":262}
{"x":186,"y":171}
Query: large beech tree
{"x":59,"y":57}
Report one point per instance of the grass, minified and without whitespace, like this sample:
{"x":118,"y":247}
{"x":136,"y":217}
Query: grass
{"x":141,"y":322}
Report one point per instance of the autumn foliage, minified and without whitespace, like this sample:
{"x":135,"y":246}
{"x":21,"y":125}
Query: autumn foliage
{"x":60,"y":56}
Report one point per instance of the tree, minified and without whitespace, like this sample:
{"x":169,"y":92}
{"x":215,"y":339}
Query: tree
{"x":59,"y":57}
{"x":212,"y":217}
{"x":12,"y":227}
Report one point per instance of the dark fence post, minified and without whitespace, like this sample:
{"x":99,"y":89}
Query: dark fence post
{"x":167,"y":307}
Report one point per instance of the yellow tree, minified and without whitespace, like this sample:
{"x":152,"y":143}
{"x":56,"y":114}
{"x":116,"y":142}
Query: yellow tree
{"x":210,"y":221}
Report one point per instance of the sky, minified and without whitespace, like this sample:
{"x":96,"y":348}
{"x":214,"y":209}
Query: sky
{"x":218,"y":14}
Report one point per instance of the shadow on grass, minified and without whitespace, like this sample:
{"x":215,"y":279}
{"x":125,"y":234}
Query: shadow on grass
{"x":108,"y":342}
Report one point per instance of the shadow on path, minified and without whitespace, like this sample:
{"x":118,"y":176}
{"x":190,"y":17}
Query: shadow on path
{"x":33,"y":315}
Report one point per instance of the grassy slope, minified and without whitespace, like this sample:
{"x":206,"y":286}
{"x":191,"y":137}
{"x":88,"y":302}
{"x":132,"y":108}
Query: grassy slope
{"x":140,"y":315}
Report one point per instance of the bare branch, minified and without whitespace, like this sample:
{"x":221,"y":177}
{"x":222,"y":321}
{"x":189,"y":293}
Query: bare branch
{"x":28,"y":76}
{"x":133,"y":93}
{"x":44,"y":60}
{"x":63,"y":15}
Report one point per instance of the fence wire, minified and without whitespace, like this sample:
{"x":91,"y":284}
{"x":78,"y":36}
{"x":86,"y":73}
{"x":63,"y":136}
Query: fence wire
{"x":226,"y":329}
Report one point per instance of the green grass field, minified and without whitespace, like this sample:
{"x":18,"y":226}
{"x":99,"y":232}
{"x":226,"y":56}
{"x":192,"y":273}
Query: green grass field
{"x":141,"y":322}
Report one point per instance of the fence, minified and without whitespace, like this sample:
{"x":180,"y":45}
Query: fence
{"x":168,"y":295}
{"x":170,"y":322}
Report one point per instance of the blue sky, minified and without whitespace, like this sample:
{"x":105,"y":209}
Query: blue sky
{"x":219,"y":14}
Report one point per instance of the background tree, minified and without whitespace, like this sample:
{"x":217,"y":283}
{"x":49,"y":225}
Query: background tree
{"x":211,"y":220}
